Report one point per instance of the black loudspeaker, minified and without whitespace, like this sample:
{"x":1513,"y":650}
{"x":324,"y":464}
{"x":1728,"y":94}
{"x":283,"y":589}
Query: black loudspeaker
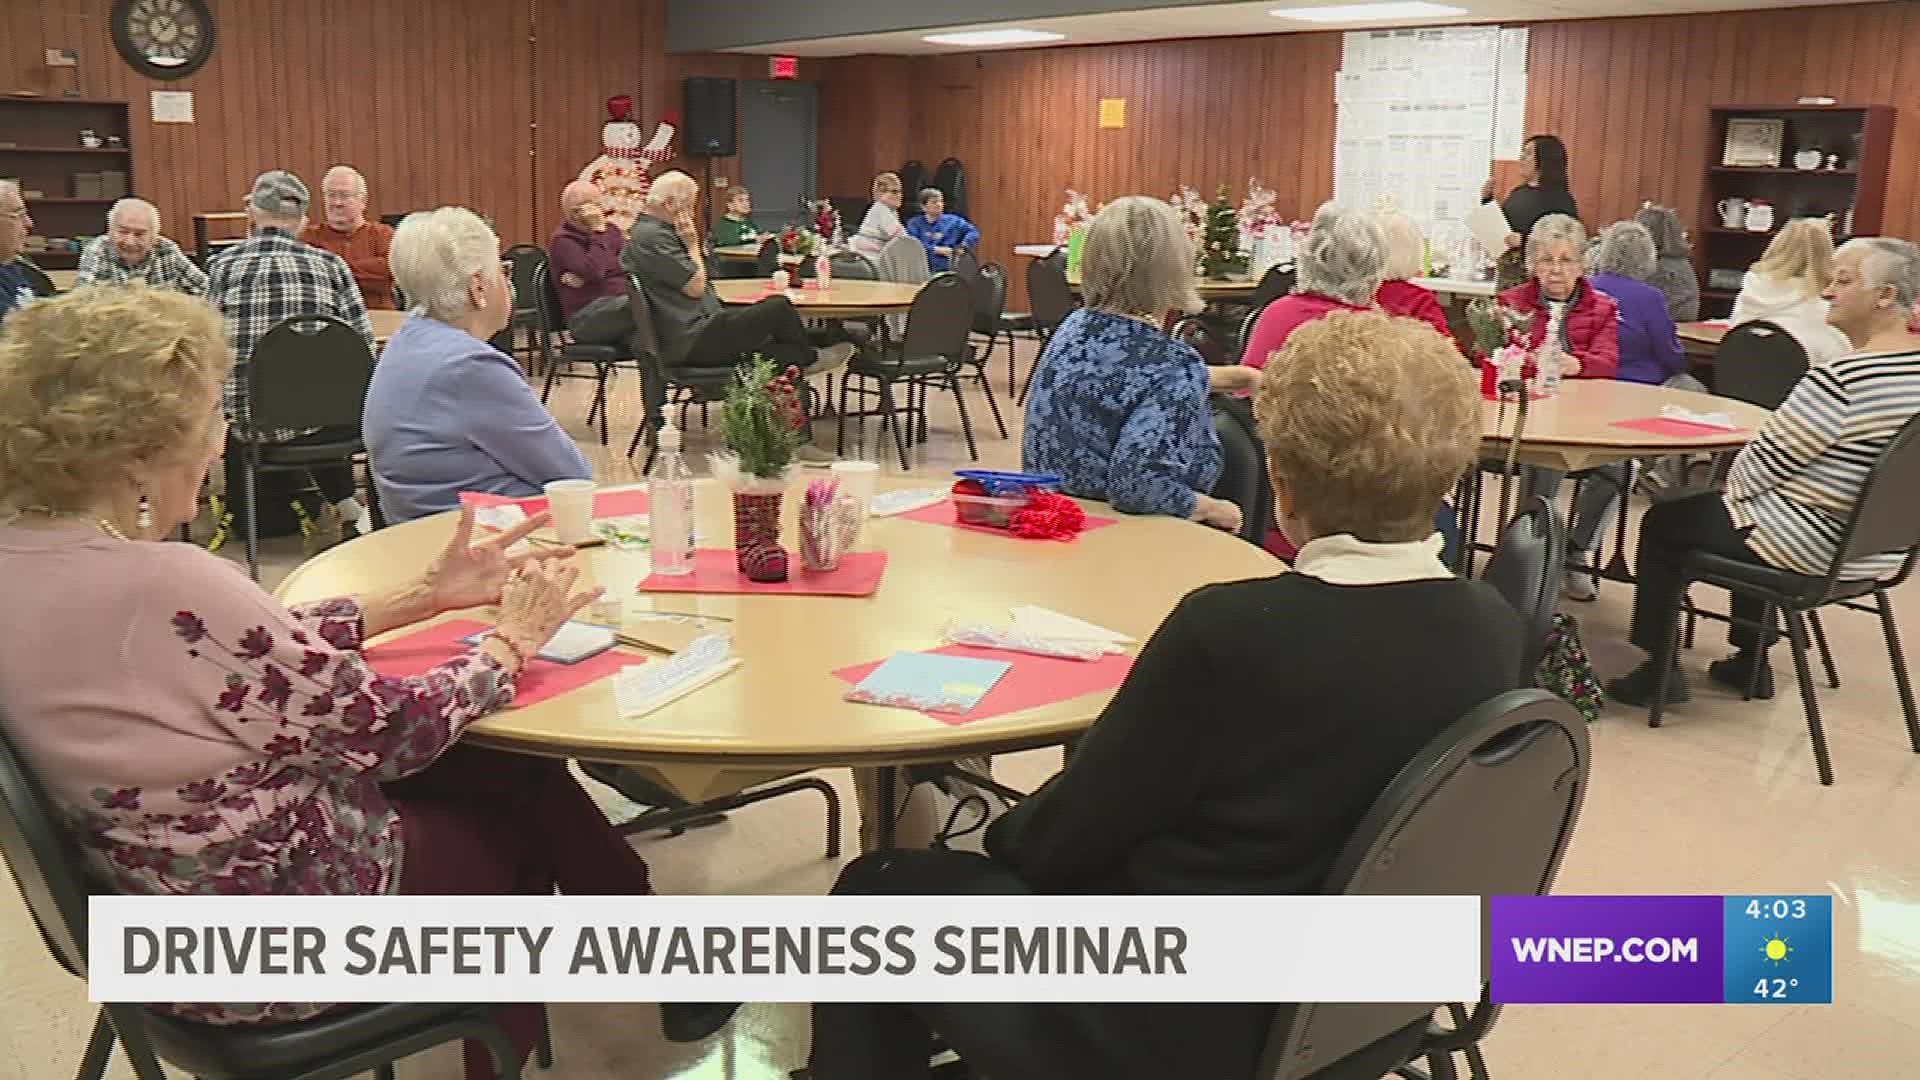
{"x":709,"y":117}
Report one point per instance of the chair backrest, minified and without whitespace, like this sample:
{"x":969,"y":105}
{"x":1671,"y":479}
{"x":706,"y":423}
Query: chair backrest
{"x":951,"y":178}
{"x":966,"y":264}
{"x":903,"y":259}
{"x":1886,"y":516}
{"x":853,"y":266}
{"x":939,"y":320}
{"x":526,"y":260}
{"x":1526,"y":568}
{"x":1277,"y":282}
{"x":913,"y":177}
{"x":1244,"y":481}
{"x":37,"y":279}
{"x":548,"y":319}
{"x":645,"y":342}
{"x":1246,"y":329}
{"x":767,"y":259}
{"x":1194,"y":331}
{"x":43,"y":857}
{"x":1048,"y":292}
{"x":989,"y":298}
{"x":309,"y":371}
{"x":1758,"y":362}
{"x":1486,"y":809}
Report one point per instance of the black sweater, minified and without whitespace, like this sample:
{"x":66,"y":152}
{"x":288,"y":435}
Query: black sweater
{"x":1526,"y":205}
{"x":1259,"y":725}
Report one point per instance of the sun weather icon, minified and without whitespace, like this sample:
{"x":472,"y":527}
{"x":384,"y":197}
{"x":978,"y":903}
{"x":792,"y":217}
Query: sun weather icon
{"x":1777,"y":949}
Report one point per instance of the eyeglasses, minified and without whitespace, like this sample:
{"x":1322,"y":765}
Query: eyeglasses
{"x":1557,"y":260}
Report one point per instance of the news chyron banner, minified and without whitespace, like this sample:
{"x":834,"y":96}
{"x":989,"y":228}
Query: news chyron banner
{"x":1681,"y":950}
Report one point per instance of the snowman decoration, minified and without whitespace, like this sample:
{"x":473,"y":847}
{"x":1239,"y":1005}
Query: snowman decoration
{"x":621,"y":172}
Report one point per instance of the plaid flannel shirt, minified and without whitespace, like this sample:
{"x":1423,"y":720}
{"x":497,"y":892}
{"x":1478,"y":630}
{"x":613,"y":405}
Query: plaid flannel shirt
{"x":271,"y":277}
{"x":165,"y":267}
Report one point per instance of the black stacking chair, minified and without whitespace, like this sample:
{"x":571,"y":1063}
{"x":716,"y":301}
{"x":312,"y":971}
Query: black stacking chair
{"x":527,"y":262}
{"x":1885,"y":518}
{"x":1052,"y":300}
{"x":989,"y":287}
{"x":1274,"y":284}
{"x":601,"y":359}
{"x":1487,"y":809}
{"x":930,"y":353}
{"x":768,"y":260}
{"x":1525,"y":568}
{"x":1197,"y":332}
{"x":310,"y":371}
{"x":51,"y":873}
{"x":660,"y":385}
{"x":1758,"y":362}
{"x":1243,"y":476}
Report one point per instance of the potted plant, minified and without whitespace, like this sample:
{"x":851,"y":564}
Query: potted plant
{"x":1220,"y":256}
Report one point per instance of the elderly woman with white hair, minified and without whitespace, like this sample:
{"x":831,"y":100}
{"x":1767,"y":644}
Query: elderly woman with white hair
{"x":1570,"y":317}
{"x":1406,"y":255}
{"x":1340,"y":267}
{"x":1117,"y":407}
{"x":1792,"y":490}
{"x":447,"y":412}
{"x":134,"y":252}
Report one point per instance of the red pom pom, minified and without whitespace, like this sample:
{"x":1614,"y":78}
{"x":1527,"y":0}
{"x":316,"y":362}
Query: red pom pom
{"x":1049,"y":517}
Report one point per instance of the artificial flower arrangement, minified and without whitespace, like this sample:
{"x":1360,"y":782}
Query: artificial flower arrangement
{"x":1496,"y":326}
{"x":1257,"y":217}
{"x":1220,"y":255}
{"x":763,"y":422}
{"x":826,"y":221}
{"x":795,"y":240}
{"x":1074,"y":214}
{"x":1192,"y":209}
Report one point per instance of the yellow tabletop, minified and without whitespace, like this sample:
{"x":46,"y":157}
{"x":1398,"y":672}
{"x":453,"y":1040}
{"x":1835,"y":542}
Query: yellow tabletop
{"x":782,"y":711}
{"x":1209,"y":288}
{"x":1574,"y":428}
{"x":62,"y":279}
{"x":1702,"y":339}
{"x":842,"y":299}
{"x":385,"y":325}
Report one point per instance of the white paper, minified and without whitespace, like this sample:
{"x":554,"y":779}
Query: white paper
{"x":575,"y":641}
{"x":1033,"y":621}
{"x":640,"y":689}
{"x":1718,"y":419}
{"x":889,"y":503}
{"x":1489,"y":226}
{"x":173,"y":106}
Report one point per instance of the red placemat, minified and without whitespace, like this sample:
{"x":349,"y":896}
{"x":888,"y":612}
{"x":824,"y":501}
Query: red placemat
{"x":1031,"y":682}
{"x":941,"y":513}
{"x":539,"y":680}
{"x":606,"y":504}
{"x":1676,"y":429}
{"x":717,"y":570}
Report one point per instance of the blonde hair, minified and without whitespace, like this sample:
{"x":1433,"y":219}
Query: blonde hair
{"x":433,"y":255}
{"x":887,"y":184}
{"x":1802,"y":254}
{"x":1138,"y":260}
{"x":98,"y":381}
{"x":1344,"y":256}
{"x":1368,"y":420}
{"x":1406,"y":247}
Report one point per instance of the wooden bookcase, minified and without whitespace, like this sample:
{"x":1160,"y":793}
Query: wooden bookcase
{"x":1862,"y":135}
{"x":40,"y":147}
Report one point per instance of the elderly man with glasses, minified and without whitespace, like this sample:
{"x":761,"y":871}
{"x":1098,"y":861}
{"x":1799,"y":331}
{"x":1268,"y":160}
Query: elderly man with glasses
{"x":344,"y":230}
{"x":21,"y":282}
{"x":134,"y":252}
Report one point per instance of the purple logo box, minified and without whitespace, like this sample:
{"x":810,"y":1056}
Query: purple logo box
{"x":1606,"y":949}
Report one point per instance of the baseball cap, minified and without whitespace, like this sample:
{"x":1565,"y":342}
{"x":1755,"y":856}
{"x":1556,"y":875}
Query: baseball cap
{"x":279,"y":192}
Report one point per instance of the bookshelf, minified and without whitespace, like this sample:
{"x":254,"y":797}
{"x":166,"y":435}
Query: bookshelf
{"x":66,"y":191}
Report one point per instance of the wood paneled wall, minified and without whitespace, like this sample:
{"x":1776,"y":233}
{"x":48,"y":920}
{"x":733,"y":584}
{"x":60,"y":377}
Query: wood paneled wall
{"x":491,"y":104}
{"x":1630,"y":97}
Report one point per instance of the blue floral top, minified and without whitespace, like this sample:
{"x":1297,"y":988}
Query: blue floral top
{"x":1120,"y":410}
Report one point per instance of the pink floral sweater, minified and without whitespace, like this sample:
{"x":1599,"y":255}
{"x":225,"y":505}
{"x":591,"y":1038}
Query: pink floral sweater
{"x":201,"y":738}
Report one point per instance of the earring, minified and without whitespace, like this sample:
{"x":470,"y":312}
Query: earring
{"x":143,"y":519}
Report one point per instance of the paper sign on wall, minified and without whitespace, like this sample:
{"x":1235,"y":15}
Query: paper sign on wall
{"x":1113,"y":112}
{"x":173,"y":106}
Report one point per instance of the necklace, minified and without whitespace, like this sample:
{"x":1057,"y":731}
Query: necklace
{"x":100,"y":523}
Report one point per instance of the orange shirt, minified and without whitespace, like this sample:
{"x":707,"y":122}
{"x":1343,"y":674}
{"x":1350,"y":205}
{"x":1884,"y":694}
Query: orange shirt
{"x":365,"y":250}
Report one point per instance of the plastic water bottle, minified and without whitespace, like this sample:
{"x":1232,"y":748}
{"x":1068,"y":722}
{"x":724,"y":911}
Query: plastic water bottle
{"x":670,"y":505}
{"x":1549,"y":362}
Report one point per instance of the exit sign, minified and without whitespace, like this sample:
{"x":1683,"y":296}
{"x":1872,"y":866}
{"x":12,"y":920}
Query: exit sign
{"x":784,"y":67}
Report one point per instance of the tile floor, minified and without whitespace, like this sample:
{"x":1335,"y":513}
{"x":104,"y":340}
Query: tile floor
{"x":1721,"y":799}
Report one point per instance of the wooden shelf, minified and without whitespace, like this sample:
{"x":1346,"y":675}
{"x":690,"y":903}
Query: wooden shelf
{"x":1759,"y":170}
{"x":1720,"y":231}
{"x":73,"y":202}
{"x":55,"y":99}
{"x":64,"y":150}
{"x":1720,"y":294}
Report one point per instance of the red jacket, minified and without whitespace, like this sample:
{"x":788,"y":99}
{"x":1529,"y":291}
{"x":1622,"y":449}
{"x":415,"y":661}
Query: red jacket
{"x":1590,"y":333}
{"x":1407,"y":299}
{"x":1281,"y":319}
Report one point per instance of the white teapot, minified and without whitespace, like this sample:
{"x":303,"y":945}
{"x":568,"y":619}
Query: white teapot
{"x":1759,"y":217}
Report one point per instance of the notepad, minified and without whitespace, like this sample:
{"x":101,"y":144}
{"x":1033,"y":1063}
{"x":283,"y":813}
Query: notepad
{"x":572,"y":643}
{"x":639,"y":691}
{"x":929,"y":682}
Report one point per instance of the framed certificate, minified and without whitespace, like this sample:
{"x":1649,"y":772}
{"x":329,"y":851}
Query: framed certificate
{"x":1754,"y":143}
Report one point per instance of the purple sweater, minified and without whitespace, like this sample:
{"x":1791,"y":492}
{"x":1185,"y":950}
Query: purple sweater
{"x":1649,"y":348}
{"x":593,"y":257}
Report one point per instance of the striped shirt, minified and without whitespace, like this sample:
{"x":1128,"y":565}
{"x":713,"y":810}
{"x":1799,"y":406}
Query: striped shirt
{"x":1796,"y":483}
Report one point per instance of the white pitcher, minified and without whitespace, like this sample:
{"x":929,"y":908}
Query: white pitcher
{"x":1733,"y":212}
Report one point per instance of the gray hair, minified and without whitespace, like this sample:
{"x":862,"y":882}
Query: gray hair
{"x":12,"y":187}
{"x":153,"y":212}
{"x":670,"y":187}
{"x":359,"y":182}
{"x":1624,"y":248}
{"x":932,"y":193}
{"x":1344,"y":256}
{"x":434,"y":253}
{"x":1669,"y":236}
{"x":1556,"y":229}
{"x":1137,"y":260}
{"x":1406,"y":247}
{"x":1887,"y":262}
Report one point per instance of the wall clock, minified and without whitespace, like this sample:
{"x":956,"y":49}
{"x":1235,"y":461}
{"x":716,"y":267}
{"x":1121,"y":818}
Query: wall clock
{"x":163,"y":39}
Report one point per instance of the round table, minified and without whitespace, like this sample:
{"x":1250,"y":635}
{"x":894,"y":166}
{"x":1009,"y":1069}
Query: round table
{"x":1211,"y":290}
{"x":385,"y":324}
{"x":1574,"y":429}
{"x":782,"y":712}
{"x":843,"y":299}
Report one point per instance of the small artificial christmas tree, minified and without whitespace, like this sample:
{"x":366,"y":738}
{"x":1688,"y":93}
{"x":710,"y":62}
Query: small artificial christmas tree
{"x":1220,"y":254}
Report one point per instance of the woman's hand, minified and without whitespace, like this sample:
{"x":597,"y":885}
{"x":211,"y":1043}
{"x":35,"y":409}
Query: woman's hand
{"x":468,"y":574}
{"x":1233,"y":379}
{"x":536,"y":600}
{"x":1569,"y":365}
{"x":1218,"y":513}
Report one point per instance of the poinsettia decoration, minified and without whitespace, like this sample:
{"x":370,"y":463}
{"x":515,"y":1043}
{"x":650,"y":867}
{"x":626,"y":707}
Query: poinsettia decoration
{"x":795,"y":240}
{"x":1257,"y":216}
{"x":826,"y":220}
